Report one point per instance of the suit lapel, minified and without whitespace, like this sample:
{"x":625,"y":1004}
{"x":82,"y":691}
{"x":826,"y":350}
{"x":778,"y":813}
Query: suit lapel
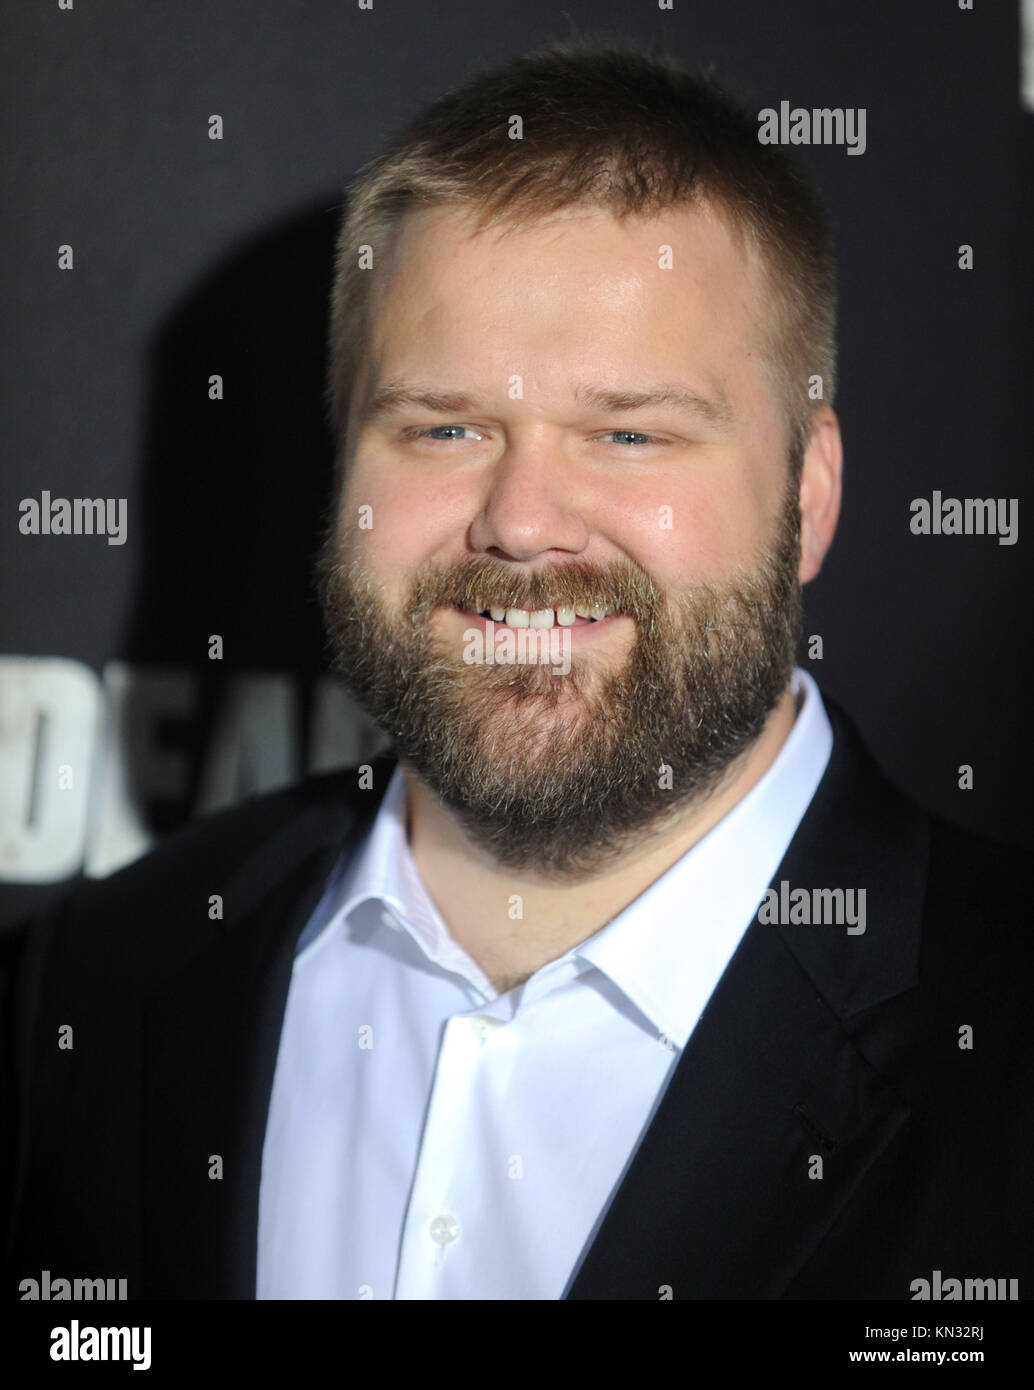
{"x":210,"y":1041}
{"x":717,"y":1201}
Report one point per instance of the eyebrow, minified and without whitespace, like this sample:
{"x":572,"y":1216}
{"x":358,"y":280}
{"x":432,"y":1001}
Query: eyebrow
{"x":397,"y":394}
{"x":714,"y":409}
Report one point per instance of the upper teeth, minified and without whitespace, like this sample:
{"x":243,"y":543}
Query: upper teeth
{"x":545,"y":617}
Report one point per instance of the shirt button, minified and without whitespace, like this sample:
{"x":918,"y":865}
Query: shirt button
{"x":390,"y":920}
{"x":444,"y":1229}
{"x":483,"y":1027}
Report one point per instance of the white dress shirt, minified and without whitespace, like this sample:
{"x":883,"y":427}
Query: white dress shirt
{"x":428,"y":1138}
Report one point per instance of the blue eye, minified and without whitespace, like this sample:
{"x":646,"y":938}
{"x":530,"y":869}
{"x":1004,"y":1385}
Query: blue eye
{"x":438,"y":433}
{"x":632,"y":437}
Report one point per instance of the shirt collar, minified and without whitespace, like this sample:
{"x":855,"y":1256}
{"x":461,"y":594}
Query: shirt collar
{"x":666,"y":951}
{"x":382,"y":872}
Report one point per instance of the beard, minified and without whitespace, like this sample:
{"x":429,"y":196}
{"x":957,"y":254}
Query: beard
{"x":558,"y":775}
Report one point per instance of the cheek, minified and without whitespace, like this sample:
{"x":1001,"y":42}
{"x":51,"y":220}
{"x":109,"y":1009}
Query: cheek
{"x":682,"y":535}
{"x":395,"y":524}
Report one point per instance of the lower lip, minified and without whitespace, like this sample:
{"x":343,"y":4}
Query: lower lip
{"x":583,"y":627}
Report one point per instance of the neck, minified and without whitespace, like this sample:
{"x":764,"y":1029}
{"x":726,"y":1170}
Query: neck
{"x":512,"y":922}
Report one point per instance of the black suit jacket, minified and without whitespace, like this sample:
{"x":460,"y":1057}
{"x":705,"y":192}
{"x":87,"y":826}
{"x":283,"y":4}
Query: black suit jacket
{"x":815,"y":1043}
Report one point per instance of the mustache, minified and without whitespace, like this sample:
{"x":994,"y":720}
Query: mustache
{"x":480,"y":581}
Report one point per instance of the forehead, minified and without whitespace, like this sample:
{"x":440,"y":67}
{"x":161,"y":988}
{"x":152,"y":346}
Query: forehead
{"x":577,"y":294}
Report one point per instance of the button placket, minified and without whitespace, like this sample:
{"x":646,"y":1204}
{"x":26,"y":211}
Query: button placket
{"x":433,"y":1231}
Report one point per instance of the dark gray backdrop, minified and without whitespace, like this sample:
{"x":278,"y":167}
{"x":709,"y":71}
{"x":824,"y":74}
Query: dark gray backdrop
{"x":194,"y":256}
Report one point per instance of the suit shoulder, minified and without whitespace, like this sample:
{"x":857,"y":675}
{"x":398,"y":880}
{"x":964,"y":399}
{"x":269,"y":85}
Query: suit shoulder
{"x":221,"y":842}
{"x":977,"y":912}
{"x":976,"y":872}
{"x":157,"y":909}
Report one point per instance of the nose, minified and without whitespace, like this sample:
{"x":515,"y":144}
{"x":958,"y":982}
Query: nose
{"x":529,"y":506}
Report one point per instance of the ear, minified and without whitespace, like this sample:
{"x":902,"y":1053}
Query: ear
{"x":821,"y":473}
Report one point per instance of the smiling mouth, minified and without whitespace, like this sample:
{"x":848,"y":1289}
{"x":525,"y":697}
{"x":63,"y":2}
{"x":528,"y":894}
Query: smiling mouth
{"x":577,"y":616}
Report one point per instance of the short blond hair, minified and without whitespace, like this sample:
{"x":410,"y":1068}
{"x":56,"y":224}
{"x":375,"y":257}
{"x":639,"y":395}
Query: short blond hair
{"x":612,"y":126}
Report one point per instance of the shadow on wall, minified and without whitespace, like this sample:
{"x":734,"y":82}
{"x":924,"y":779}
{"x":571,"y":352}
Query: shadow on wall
{"x":236,"y":472}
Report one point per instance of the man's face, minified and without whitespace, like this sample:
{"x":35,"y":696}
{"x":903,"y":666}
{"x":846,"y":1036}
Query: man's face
{"x":505,"y":462}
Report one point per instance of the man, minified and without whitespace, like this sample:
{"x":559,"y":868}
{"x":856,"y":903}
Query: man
{"x":632,"y":978}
